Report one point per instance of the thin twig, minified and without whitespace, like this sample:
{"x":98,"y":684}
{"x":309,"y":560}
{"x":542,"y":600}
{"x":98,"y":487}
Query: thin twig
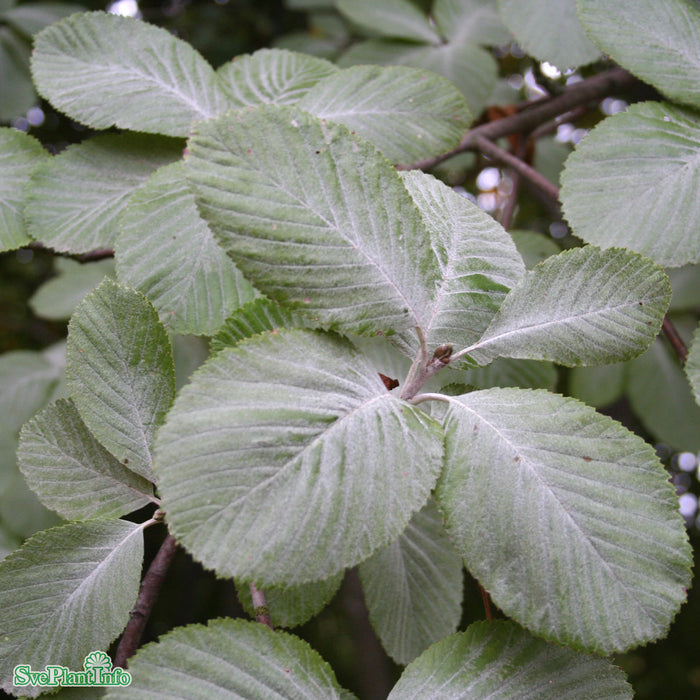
{"x":150,"y":587}
{"x":487,"y":603}
{"x":675,"y":339}
{"x":541,"y":111}
{"x":262,"y":612}
{"x":519,"y":166}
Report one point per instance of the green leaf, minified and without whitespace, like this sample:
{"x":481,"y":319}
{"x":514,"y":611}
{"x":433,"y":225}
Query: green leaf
{"x":272,"y":75}
{"x":478,"y":263}
{"x":313,"y":216}
{"x":399,"y":19}
{"x":685,"y":282}
{"x":29,"y":19}
{"x":189,"y":353}
{"x":660,"y":397}
{"x":533,"y":247}
{"x":593,"y":532}
{"x":472,"y":69}
{"x":501,"y":660}
{"x":407,"y":113}
{"x":290,"y":607}
{"x":179,"y":265}
{"x":413,"y":587}
{"x":65,"y":593}
{"x":27,"y":380}
{"x":19,"y":155}
{"x":72,"y":473}
{"x":597,"y":386}
{"x":228,"y":659}
{"x":659,"y":43}
{"x":21,"y":512}
{"x":504,"y":372}
{"x":294,"y":422}
{"x":17,"y":93}
{"x":75,"y":198}
{"x":470,"y":21}
{"x":583,"y":306}
{"x":642,"y":169}
{"x":692,"y":365}
{"x":104,"y":70}
{"x":57,"y":298}
{"x":549,"y":31}
{"x":120,"y":372}
{"x":255,"y":317}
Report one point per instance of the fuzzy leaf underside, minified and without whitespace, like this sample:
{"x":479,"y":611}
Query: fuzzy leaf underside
{"x":582,"y":306}
{"x":294,"y":422}
{"x":408,"y":114}
{"x":229,"y":660}
{"x":75,"y":198}
{"x":179,"y":265}
{"x":413,"y":587}
{"x":66,"y":592}
{"x":316,"y":218}
{"x":501,"y":660}
{"x":120,"y":372}
{"x":104,"y":70}
{"x":72,"y":473}
{"x":659,"y":43}
{"x":641,"y":167}
{"x":272,"y":76}
{"x":593,"y":533}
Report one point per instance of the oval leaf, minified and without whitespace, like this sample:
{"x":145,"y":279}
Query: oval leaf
{"x":292,"y":422}
{"x":593,"y":534}
{"x":660,"y":397}
{"x":104,"y":70}
{"x":393,"y":18}
{"x":659,"y":43}
{"x":272,"y":76}
{"x":407,"y":113}
{"x":470,"y":21}
{"x":293,"y":606}
{"x":549,"y":31}
{"x":582,"y":306}
{"x":642,"y":169}
{"x":413,"y":587}
{"x":228,"y":660}
{"x":19,"y":156}
{"x":478,"y":261}
{"x":313,"y":216}
{"x":501,"y":660}
{"x":179,"y":265}
{"x":472,"y":69}
{"x":692,"y":366}
{"x":71,"y":472}
{"x":57,"y":298}
{"x":120,"y":372}
{"x":255,"y":317}
{"x":66,"y":592}
{"x":75,"y":199}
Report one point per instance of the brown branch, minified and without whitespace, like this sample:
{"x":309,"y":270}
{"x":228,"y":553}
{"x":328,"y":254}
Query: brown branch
{"x":262,"y":612}
{"x":541,"y":111}
{"x":148,"y":593}
{"x":673,"y":337}
{"x":519,"y":166}
{"x":487,"y":603}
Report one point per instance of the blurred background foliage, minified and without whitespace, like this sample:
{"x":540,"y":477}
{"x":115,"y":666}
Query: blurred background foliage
{"x":649,"y":395}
